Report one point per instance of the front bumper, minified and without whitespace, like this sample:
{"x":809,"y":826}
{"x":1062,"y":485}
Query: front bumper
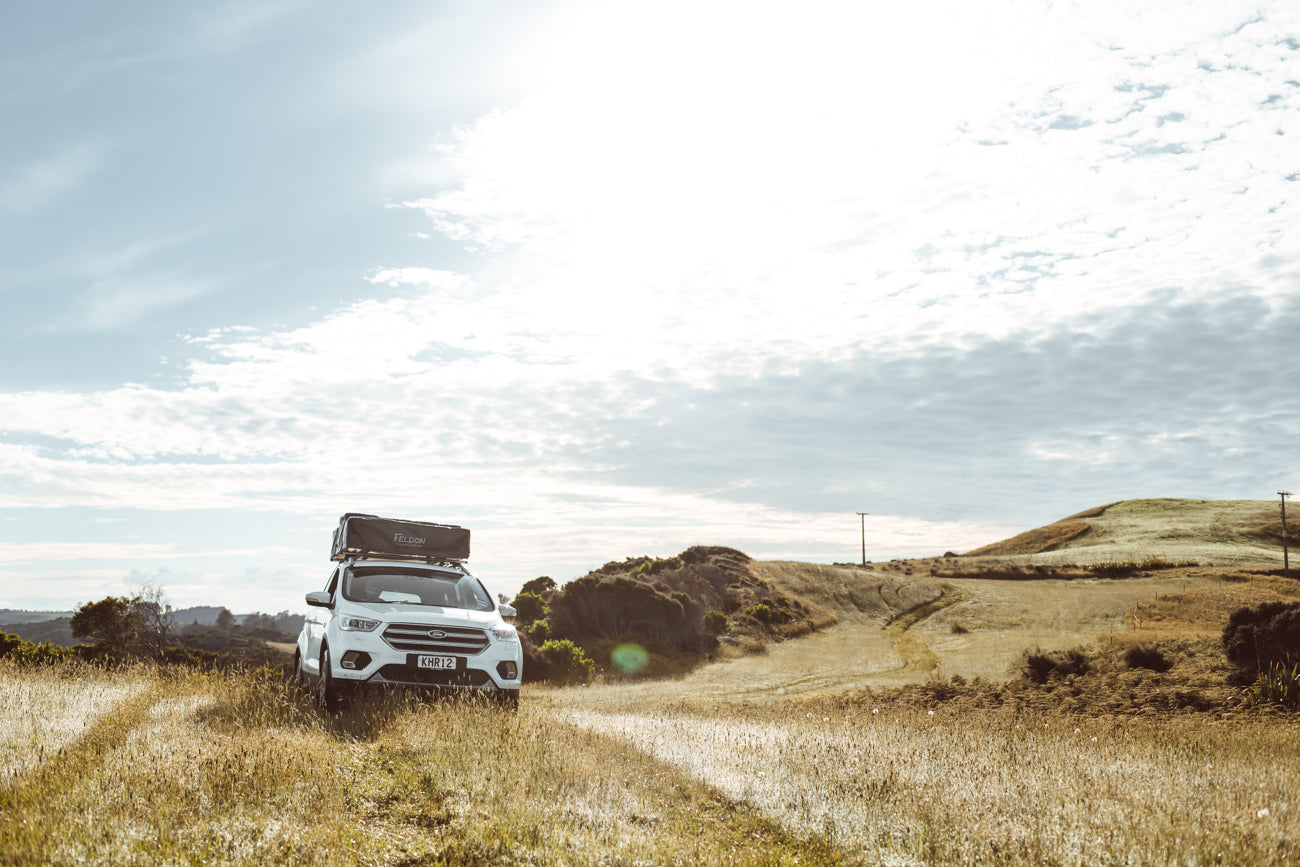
{"x":488,"y":664}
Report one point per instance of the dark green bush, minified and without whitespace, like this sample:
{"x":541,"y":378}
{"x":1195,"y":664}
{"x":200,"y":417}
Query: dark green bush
{"x":1149,"y":657}
{"x":619,"y":608}
{"x":1257,"y":637}
{"x":566,"y":662}
{"x":716,"y":623}
{"x":760,"y":611}
{"x":528,"y":607}
{"x":21,"y":650}
{"x":540,"y":585}
{"x":538,"y":631}
{"x":1039,"y":667}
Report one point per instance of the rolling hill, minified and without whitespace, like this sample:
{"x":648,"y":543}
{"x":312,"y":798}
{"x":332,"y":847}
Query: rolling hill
{"x":1209,"y":532}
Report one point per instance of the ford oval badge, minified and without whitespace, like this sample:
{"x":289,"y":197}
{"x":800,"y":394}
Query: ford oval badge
{"x":437,"y":633}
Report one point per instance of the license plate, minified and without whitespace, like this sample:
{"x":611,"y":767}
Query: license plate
{"x":438,"y":663}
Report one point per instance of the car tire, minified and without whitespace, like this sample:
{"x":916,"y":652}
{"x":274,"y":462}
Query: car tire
{"x":508,"y":699}
{"x":327,"y":691}
{"x":299,"y":675}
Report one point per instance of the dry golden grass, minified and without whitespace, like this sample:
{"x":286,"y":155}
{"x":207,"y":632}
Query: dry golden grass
{"x":917,"y":788}
{"x":1205,"y":609}
{"x":1209,"y":532}
{"x":1035,"y":541}
{"x":237,"y":769}
{"x":44,"y":713}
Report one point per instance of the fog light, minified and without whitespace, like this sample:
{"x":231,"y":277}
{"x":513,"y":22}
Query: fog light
{"x":508,"y":670}
{"x":354,"y":660}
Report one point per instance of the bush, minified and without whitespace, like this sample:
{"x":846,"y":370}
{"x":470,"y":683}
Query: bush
{"x":600,"y":607}
{"x":1148,"y":657}
{"x":760,"y":611}
{"x":529,"y":607}
{"x":1038,"y":667}
{"x":9,"y":644}
{"x":23,"y":651}
{"x":1132,"y":567}
{"x":566,"y":662}
{"x":650,"y":567}
{"x":716,"y":622}
{"x":1279,"y":685}
{"x":541,"y":585}
{"x":538,"y":631}
{"x":1257,"y":637}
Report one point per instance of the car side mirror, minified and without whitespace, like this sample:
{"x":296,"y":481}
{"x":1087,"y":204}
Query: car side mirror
{"x":320,"y":599}
{"x":507,"y":611}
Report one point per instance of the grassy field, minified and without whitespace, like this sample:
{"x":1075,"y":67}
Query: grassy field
{"x":899,"y":735}
{"x":238,"y":769}
{"x":167,"y":769}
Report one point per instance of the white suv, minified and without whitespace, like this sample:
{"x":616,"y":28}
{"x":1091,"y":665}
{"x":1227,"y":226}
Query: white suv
{"x":414,"y":624}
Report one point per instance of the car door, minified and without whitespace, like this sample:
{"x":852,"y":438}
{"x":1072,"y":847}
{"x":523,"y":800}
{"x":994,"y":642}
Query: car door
{"x":317,"y":622}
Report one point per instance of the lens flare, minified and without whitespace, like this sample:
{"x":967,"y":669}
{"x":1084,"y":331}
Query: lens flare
{"x":629,"y":658}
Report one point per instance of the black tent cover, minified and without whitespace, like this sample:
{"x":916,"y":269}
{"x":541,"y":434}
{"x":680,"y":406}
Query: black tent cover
{"x":368,"y":536}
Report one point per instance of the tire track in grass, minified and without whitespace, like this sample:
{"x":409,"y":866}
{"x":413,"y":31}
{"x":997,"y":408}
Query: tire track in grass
{"x":916,"y":654}
{"x":32,"y":805}
{"x":44,"y":709}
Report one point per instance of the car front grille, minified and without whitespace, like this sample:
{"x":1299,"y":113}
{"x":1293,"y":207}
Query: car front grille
{"x":425,"y":638}
{"x":409,"y":674}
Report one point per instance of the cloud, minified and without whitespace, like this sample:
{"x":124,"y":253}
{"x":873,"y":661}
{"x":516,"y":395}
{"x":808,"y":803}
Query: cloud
{"x":39,"y":184}
{"x":1156,"y":399}
{"x":787,"y":185}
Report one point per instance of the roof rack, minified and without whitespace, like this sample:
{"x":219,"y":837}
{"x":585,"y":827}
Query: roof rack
{"x":362,"y":537}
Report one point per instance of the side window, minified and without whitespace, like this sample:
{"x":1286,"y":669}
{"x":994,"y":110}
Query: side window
{"x":333,"y":585}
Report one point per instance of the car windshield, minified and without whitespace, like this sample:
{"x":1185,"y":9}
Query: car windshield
{"x":389,"y":584}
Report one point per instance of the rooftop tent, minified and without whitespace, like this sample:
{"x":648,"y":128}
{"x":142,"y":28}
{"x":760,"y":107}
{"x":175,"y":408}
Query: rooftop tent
{"x":368,"y":536}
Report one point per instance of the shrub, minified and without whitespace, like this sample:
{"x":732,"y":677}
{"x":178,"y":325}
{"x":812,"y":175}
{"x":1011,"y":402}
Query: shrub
{"x":540,"y":585}
{"x":1123,"y":569}
{"x":716,"y":623}
{"x":1279,"y":685}
{"x":1257,"y":637}
{"x":650,"y":567}
{"x":9,"y":644}
{"x":760,"y":611}
{"x":1038,"y":667}
{"x":538,"y":631}
{"x":566,"y":662}
{"x":529,"y":607}
{"x":22,"y":651}
{"x":618,"y":608}
{"x":958,"y":628}
{"x":1148,"y":657}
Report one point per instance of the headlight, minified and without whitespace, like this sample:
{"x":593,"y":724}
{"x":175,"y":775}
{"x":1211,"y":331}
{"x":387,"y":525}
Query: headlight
{"x":504,"y":633}
{"x":357,"y":624}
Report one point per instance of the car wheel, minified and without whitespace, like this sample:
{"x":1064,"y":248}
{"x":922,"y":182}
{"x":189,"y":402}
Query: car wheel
{"x":299,"y":676}
{"x":508,"y":699}
{"x":327,"y":691}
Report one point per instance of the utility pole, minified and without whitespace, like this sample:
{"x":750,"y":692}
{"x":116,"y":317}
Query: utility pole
{"x":862,"y":517}
{"x":1286,"y":560}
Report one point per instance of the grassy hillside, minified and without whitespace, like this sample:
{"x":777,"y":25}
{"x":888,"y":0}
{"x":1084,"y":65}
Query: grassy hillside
{"x":1209,"y":532}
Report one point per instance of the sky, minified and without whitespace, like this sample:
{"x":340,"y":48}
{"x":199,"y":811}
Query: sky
{"x":604,"y":279}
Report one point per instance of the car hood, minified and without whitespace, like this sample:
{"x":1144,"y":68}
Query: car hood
{"x":392,"y":612}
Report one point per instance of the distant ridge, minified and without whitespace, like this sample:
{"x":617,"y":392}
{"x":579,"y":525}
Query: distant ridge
{"x":1209,"y":532}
